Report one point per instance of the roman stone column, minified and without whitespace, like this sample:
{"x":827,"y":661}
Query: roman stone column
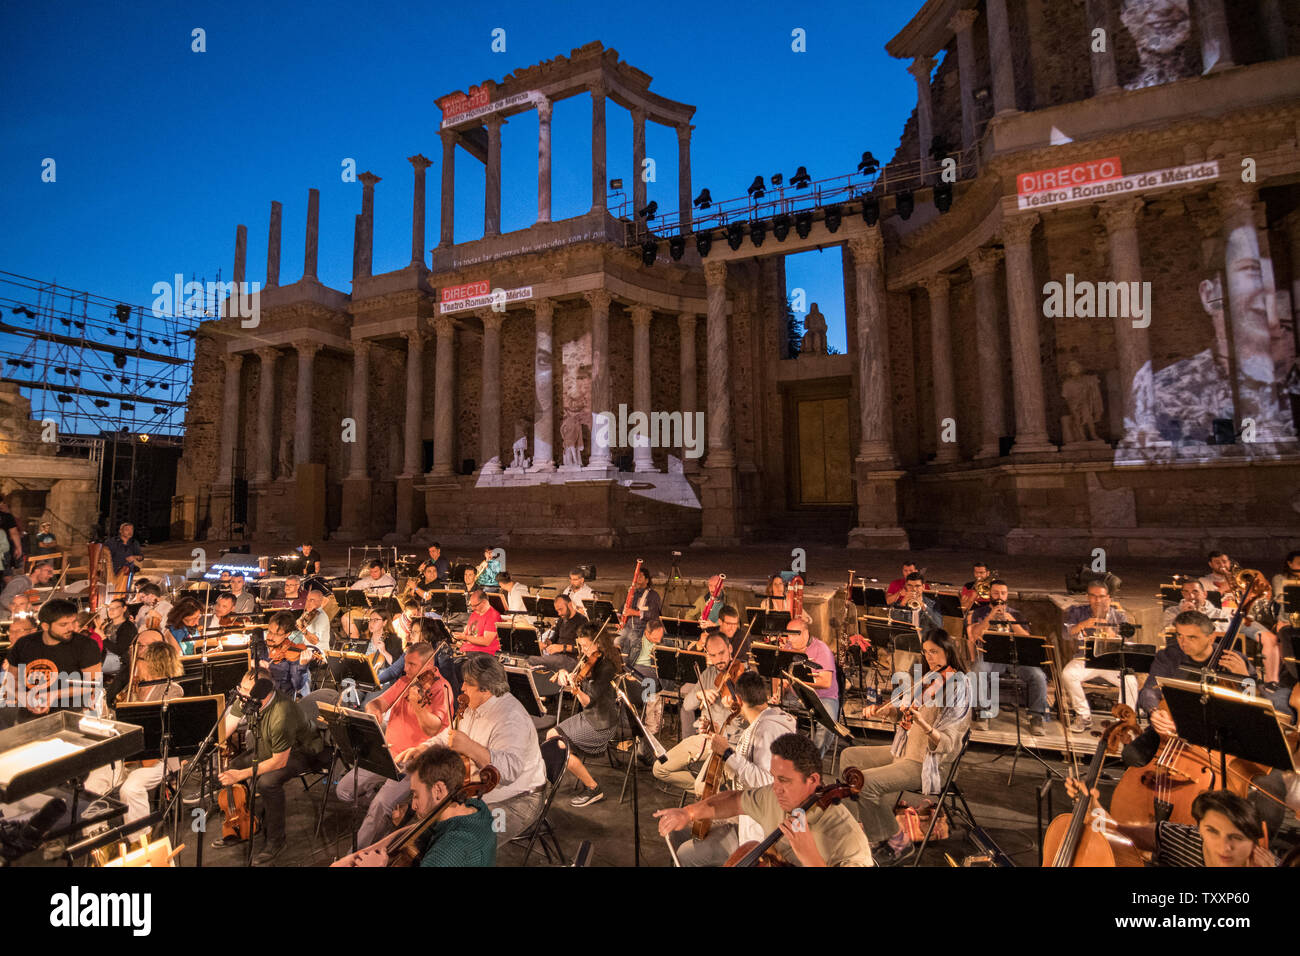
{"x":1026,"y":358}
{"x":920,"y":70}
{"x":234,"y":364}
{"x":419,"y":163}
{"x":601,"y":390}
{"x":358,"y":462}
{"x":544,"y":161}
{"x":1099,"y":17}
{"x":718,"y":385}
{"x":598,"y":147}
{"x":358,"y":233}
{"x":412,"y":443}
{"x":1293,"y":247}
{"x":641,"y":450}
{"x":490,"y":403}
{"x":1245,"y":293}
{"x":492,"y":177}
{"x":1212,"y":23}
{"x":313,"y":234}
{"x":638,"y":161}
{"x":241,"y":255}
{"x":686,"y":327}
{"x":544,"y":388}
{"x":1273,"y":27}
{"x":1000,"y":53}
{"x":684,"y":199}
{"x":302,"y":424}
{"x":960,"y":24}
{"x":265,"y":414}
{"x":988,"y":350}
{"x":876,"y":441}
{"x":448,"y":219}
{"x":945,"y":403}
{"x":273,"y":247}
{"x":1132,"y":344}
{"x":368,"y":181}
{"x":444,"y":420}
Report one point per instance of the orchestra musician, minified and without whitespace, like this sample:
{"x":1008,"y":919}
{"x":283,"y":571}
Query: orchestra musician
{"x":126,"y":553}
{"x":495,"y":729}
{"x":411,"y":711}
{"x":1290,"y":576}
{"x":561,"y":652}
{"x":645,"y":607}
{"x":314,"y":623}
{"x":820,"y":837}
{"x":913,"y":606}
{"x":998,"y":615}
{"x":1220,"y":577}
{"x":375,"y":581}
{"x":403,"y":622}
{"x":675,"y":770}
{"x":1227,"y":832}
{"x":485,"y":575}
{"x":895,"y":593}
{"x":774,"y":598}
{"x":746,"y":766}
{"x":715,"y":584}
{"x":1194,"y":599}
{"x":436,"y":565}
{"x":478,"y":636}
{"x":463,"y":834}
{"x":245,"y":601}
{"x":513,"y":593}
{"x":282,"y":653}
{"x":578,"y":591}
{"x":310,"y":559}
{"x":182,"y":624}
{"x":1096,"y":618}
{"x":933,"y":720}
{"x":56,"y":668}
{"x":430,"y":581}
{"x":156,"y":667}
{"x":154,"y":608}
{"x":287,"y":745}
{"x":825,"y":679}
{"x":20,"y":606}
{"x":729,"y":624}
{"x":223,"y":611}
{"x":384,"y":646}
{"x":591,"y":728}
{"x":40,"y":577}
{"x":980,"y":576}
{"x":119,"y":634}
{"x":293,"y":593}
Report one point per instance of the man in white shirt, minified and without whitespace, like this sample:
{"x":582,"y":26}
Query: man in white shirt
{"x":245,"y":603}
{"x":315,"y":622}
{"x":513,"y":593}
{"x":495,"y":729}
{"x":1194,"y":599}
{"x":376,"y":582}
{"x":747,"y":767}
{"x":578,"y":592}
{"x":152,"y":605}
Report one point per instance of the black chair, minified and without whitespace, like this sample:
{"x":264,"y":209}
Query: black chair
{"x":555,"y":755}
{"x":949,"y":797}
{"x":324,"y":767}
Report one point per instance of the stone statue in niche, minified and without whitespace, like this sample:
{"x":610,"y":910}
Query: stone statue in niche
{"x":571,"y":437}
{"x":1082,"y":394}
{"x":1160,"y":31}
{"x":520,"y":447}
{"x":286,"y":458}
{"x":814,"y":336}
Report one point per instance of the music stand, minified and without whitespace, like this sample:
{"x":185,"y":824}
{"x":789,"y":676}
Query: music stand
{"x":768,"y":622}
{"x":681,"y":630}
{"x":634,"y":756}
{"x":949,"y":604}
{"x":599,"y":611}
{"x":1016,"y":651}
{"x":173,"y":728}
{"x":676,"y":664}
{"x":867,"y":596}
{"x":524,"y":689}
{"x":519,"y":641}
{"x":217,"y":672}
{"x":772,"y":662}
{"x":359,"y":738}
{"x":817,"y":711}
{"x":346,"y":665}
{"x":1227,"y":721}
{"x":435,"y":631}
{"x":1117,"y":654}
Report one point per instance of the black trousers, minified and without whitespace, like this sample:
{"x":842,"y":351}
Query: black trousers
{"x":270,"y":788}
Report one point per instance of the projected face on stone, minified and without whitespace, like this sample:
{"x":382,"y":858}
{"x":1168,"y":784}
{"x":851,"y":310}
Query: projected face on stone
{"x":1159,"y":28}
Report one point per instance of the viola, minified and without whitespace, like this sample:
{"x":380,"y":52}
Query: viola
{"x":761,"y":852}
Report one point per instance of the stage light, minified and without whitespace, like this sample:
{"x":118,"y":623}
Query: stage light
{"x":649,"y":252}
{"x":781,"y":227}
{"x":159,"y":410}
{"x":803,"y":223}
{"x":800,"y":179}
{"x":676,"y":247}
{"x":703,"y":200}
{"x":870,"y":211}
{"x":756,"y":189}
{"x":127,"y":406}
{"x":777,"y":179}
{"x":905,"y":202}
{"x":649,"y":211}
{"x":833,"y":218}
{"x":144,"y":439}
{"x":735,"y":235}
{"x":757,"y":232}
{"x":123,"y":313}
{"x":868,"y":164}
{"x":703,"y":243}
{"x":101,"y":403}
{"x":943,"y":197}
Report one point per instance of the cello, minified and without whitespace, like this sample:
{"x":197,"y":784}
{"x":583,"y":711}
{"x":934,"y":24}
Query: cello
{"x":762,"y":852}
{"x":1071,"y":840}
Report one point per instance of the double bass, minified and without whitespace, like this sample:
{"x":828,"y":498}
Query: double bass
{"x":761,"y":852}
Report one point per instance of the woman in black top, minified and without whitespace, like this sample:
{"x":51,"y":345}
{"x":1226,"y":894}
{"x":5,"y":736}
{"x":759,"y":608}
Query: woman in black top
{"x":592,"y":728}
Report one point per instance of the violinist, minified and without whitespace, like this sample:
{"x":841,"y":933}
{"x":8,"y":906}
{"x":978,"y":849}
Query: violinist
{"x":463,"y":834}
{"x":282,"y":652}
{"x":223,"y":612}
{"x":675,"y":769}
{"x":997,"y":615}
{"x":182,"y":624}
{"x":818,"y":837}
{"x":1227,"y":833}
{"x":825,"y":680}
{"x":314,"y":623}
{"x":418,"y":706}
{"x":495,"y":729}
{"x":747,"y":766}
{"x":933,"y":719}
{"x":156,"y":667}
{"x":589,"y":730}
{"x":154,"y":608}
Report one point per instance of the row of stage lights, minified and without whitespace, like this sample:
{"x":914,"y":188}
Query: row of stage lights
{"x":904,"y":205}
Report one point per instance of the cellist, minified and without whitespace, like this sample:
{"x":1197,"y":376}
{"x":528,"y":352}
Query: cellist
{"x":746,"y":766}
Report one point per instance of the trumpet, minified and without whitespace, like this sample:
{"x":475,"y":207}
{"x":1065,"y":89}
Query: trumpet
{"x":915,"y":604}
{"x":983,"y":587}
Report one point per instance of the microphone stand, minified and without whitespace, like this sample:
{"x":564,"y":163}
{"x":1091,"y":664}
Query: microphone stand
{"x":253,"y":713}
{"x":201,"y":758}
{"x":634,"y":755}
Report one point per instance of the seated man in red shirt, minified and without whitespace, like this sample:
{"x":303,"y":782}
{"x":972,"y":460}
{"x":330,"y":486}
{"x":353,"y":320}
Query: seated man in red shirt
{"x":897,"y":589}
{"x":416,"y":711}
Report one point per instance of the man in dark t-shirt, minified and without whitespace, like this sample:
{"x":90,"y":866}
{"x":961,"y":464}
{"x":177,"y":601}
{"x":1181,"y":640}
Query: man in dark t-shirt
{"x":55,"y":668}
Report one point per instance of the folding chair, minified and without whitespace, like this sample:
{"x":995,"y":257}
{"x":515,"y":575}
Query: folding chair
{"x":555,"y":755}
{"x":952,"y":793}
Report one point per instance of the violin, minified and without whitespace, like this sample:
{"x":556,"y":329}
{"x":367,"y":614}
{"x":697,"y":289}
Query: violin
{"x":286,"y":650}
{"x":402,"y":812}
{"x":762,"y":852}
{"x":1071,"y":840}
{"x":237,"y":822}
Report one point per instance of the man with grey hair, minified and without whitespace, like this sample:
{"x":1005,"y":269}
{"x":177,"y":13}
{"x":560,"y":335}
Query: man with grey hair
{"x":22,"y":583}
{"x":495,"y":729}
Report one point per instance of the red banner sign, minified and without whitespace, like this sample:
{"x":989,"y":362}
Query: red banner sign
{"x":1076,"y":174}
{"x":456,"y":103}
{"x":454,"y":293}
